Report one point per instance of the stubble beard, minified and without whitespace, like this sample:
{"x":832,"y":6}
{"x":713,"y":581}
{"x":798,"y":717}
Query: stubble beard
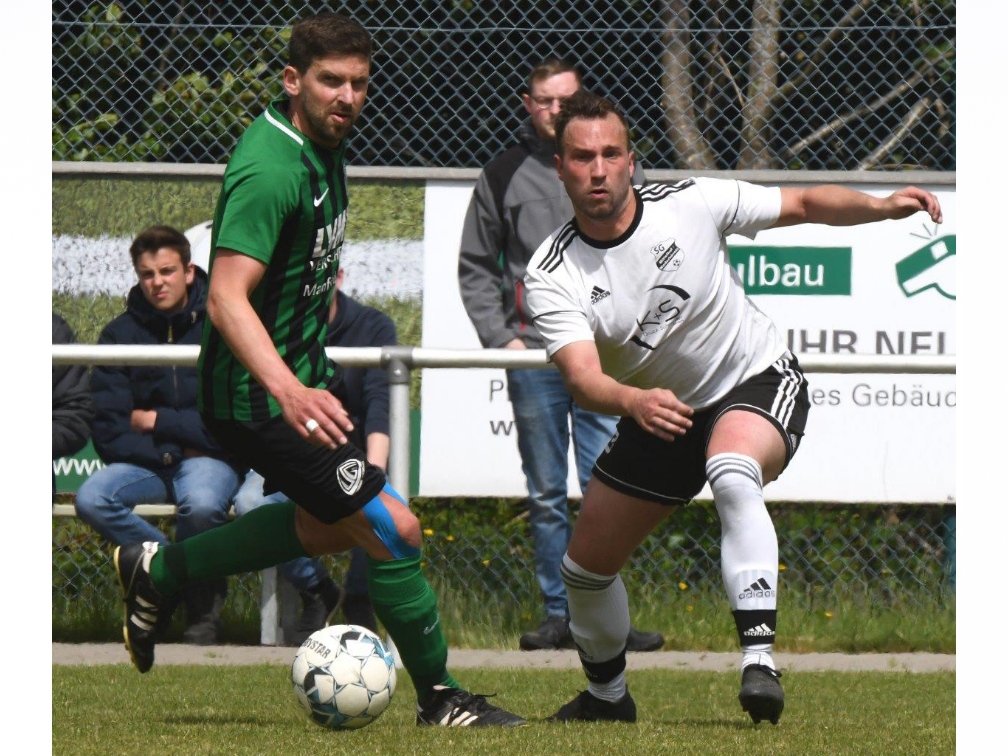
{"x":605,"y":210}
{"x":325,"y":131}
{"x":599,"y":210}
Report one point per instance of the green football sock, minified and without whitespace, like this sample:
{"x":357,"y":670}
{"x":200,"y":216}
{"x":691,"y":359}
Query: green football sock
{"x":262,"y":538}
{"x":405,"y":603}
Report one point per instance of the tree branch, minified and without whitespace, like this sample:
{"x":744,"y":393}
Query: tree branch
{"x":721,"y":63}
{"x":825,"y":48}
{"x":691,"y":148}
{"x":916,"y":112}
{"x":898,"y":91}
{"x":758,"y":108}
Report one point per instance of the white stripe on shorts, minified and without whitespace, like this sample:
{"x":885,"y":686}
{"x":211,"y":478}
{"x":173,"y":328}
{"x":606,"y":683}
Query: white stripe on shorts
{"x":784,"y":402}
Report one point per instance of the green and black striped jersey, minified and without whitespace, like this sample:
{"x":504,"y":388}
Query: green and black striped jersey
{"x":283,"y":202}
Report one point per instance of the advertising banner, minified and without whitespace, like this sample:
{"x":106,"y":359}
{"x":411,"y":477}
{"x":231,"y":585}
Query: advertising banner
{"x":880,"y":289}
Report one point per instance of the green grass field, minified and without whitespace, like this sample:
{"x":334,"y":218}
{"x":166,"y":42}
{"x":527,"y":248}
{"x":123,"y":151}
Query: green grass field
{"x":252,"y":710}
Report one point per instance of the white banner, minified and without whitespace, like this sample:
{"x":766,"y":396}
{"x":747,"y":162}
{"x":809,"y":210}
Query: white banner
{"x":881,"y":289}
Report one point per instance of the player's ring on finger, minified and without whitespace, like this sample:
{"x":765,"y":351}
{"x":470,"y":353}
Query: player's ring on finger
{"x":311,"y":425}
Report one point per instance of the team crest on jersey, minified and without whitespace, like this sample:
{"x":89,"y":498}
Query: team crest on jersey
{"x":668,"y":255}
{"x":351,"y":476}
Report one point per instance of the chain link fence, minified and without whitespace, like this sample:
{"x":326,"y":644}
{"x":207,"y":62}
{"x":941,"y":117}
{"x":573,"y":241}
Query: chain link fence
{"x":839,"y":85}
{"x":733,"y":85}
{"x":882,"y":557}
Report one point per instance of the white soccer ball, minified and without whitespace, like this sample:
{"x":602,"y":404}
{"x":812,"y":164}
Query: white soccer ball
{"x":343,"y":676}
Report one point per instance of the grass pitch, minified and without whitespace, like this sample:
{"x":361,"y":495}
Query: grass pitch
{"x":252,"y":710}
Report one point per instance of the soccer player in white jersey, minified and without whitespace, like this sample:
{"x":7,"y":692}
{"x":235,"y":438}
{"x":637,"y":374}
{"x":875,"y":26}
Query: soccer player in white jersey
{"x":646,"y":320}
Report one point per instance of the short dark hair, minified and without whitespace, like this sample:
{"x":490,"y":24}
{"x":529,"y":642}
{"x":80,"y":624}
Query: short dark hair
{"x":323,"y":35}
{"x":153,"y":238}
{"x":589,"y":106}
{"x":549,"y":67}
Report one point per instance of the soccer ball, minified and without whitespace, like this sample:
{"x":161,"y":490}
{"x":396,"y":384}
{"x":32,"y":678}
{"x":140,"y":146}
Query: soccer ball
{"x":343,"y":676}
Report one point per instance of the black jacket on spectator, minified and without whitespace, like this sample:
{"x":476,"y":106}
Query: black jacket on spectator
{"x":72,"y":410}
{"x":367,"y":389}
{"x":171,"y":390}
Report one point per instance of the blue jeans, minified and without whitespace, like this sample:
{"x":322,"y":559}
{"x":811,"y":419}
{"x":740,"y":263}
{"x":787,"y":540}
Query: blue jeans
{"x":201,"y":488}
{"x":545,"y":414}
{"x":304,"y":573}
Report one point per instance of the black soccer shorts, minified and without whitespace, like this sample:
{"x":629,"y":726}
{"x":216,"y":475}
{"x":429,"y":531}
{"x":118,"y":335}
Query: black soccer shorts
{"x":329,"y":484}
{"x":642,"y":465}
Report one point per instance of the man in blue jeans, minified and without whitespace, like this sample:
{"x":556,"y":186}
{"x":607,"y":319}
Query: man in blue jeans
{"x":146,"y":427}
{"x":518,"y":201}
{"x":350,"y":324}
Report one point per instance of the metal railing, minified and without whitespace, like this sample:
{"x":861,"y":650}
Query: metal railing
{"x":400,"y":360}
{"x":480,"y":552}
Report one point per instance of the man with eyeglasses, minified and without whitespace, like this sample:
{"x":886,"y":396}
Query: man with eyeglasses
{"x":518,"y":201}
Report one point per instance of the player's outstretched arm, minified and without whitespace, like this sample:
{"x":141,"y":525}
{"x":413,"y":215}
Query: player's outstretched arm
{"x":835,"y":205}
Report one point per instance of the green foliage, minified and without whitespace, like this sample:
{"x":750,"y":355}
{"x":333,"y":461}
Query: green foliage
{"x":478,"y":557}
{"x":193,"y":111}
{"x":251,"y":709}
{"x":177,"y":114}
{"x":86,"y":598}
{"x":131,"y":84}
{"x":85,"y":120}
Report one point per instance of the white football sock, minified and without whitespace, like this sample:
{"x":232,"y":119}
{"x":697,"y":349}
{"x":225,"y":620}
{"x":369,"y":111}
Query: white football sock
{"x":749,"y":555}
{"x":599,"y":621}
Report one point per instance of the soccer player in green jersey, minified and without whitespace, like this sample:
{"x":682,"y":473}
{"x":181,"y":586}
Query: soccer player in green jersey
{"x":270,"y":395}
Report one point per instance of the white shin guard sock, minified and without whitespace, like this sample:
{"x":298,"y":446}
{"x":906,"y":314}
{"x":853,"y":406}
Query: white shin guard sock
{"x":600,"y":622}
{"x":749,"y":556}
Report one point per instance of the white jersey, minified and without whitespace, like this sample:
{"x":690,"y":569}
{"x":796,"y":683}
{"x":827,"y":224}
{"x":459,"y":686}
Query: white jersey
{"x":662,"y":302}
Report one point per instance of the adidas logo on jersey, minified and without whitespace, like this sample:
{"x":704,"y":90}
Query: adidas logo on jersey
{"x":760,"y":631}
{"x":760,"y":589}
{"x":598,"y":294}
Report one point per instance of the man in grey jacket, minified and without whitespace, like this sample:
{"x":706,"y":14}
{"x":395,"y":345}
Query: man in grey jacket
{"x":518,"y":201}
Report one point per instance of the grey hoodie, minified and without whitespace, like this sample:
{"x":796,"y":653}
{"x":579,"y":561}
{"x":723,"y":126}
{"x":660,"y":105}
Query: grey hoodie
{"x":518,"y":201}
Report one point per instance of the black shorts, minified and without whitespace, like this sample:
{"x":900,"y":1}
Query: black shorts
{"x":642,"y":465}
{"x":329,"y":484}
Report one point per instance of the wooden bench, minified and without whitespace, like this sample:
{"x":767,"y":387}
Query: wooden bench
{"x":279,"y":603}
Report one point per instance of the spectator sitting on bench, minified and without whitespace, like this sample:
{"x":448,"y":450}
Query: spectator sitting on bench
{"x":147,"y":429}
{"x":71,"y":400}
